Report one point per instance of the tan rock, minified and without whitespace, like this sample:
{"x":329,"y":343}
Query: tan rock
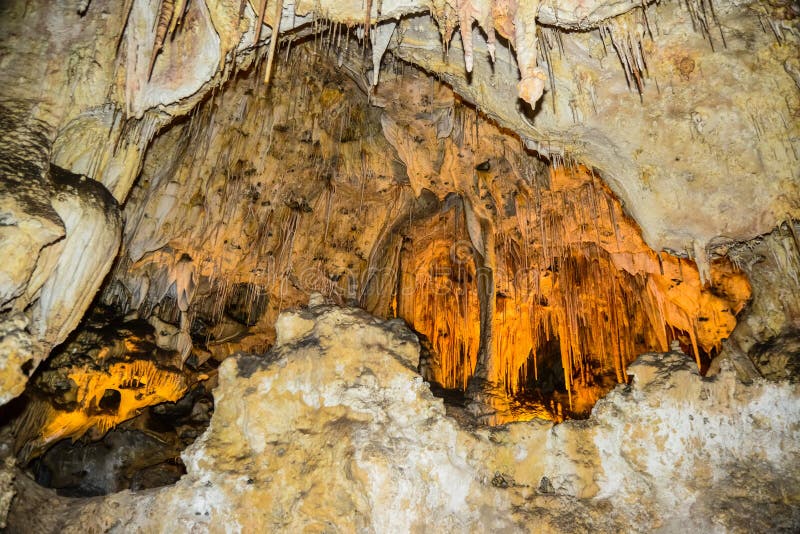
{"x":333,"y":431}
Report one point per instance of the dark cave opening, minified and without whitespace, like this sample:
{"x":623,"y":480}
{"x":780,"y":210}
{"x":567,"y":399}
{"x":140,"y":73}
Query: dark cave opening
{"x":110,"y":410}
{"x":141,"y":453}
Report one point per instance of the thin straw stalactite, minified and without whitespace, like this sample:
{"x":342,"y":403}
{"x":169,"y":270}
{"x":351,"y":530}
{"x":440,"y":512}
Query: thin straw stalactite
{"x":273,"y":45}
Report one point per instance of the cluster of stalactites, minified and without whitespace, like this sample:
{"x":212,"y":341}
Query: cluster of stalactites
{"x":437,"y":296}
{"x":131,"y":386}
{"x":514,"y":21}
{"x":595,"y":286}
{"x":571,"y":269}
{"x":601,"y":317}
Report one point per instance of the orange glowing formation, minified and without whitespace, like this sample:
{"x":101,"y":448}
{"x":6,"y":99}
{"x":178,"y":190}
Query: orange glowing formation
{"x":576,"y":289}
{"x":103,"y":399}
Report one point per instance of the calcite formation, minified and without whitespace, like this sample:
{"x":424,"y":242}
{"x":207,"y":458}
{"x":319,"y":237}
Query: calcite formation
{"x":138,"y":66}
{"x":542,"y":191}
{"x":50,"y":218}
{"x":333,"y":429}
{"x":100,"y":399}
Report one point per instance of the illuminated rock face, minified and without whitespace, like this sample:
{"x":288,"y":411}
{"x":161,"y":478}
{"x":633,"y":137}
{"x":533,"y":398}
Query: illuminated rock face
{"x":674,"y":107}
{"x":103,"y":399}
{"x":572,"y":269}
{"x":334,"y":429}
{"x":98,"y":380}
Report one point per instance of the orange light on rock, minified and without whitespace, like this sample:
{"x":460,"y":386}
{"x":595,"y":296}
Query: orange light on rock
{"x":104,"y":399}
{"x":573,"y":274}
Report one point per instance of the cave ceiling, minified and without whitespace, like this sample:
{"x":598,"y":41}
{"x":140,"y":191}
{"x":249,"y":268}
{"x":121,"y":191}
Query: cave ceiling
{"x":688,"y":110}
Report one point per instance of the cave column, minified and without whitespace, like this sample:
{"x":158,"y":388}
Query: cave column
{"x":481,"y":233}
{"x":486,"y":262}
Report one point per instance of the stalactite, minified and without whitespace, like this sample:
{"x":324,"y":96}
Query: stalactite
{"x":531,"y":84}
{"x":273,"y":45}
{"x":572,"y":269}
{"x":163,"y":23}
{"x":138,"y":383}
{"x":626,"y":34}
{"x":703,"y":16}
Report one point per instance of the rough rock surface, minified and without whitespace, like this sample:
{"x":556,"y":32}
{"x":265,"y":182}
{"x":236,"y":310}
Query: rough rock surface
{"x":333,"y":430}
{"x":58,"y":238}
{"x":650,"y":81}
{"x":17,"y":348}
{"x":7,"y":491}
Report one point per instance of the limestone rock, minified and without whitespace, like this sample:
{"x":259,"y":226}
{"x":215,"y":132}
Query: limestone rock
{"x":779,"y":359}
{"x":68,"y":276}
{"x":29,"y":222}
{"x":18,"y":349}
{"x":50,"y":219}
{"x":607,"y":105}
{"x":331,"y":430}
{"x":7,"y":474}
{"x":23,"y":234}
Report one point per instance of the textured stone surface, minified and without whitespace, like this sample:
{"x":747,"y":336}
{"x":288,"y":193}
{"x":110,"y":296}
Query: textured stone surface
{"x":690,"y":116}
{"x":29,"y":222}
{"x":59,"y":235}
{"x":674,"y":107}
{"x":7,"y":491}
{"x":332,"y":430}
{"x":17,"y":348}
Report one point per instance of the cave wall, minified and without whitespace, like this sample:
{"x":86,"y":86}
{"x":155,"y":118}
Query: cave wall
{"x":111,"y":77}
